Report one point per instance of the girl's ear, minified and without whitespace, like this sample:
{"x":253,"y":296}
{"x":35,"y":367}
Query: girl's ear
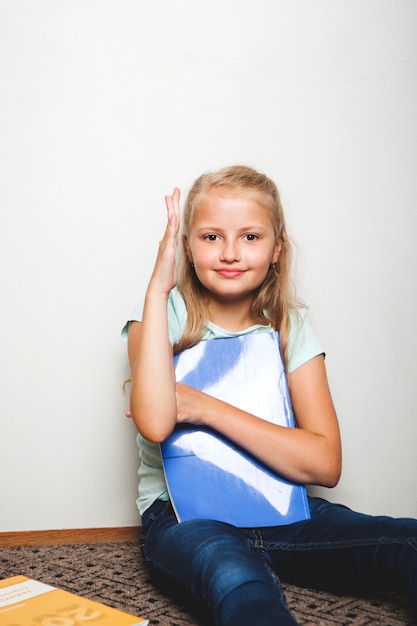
{"x":277,"y":251}
{"x":187,"y":248}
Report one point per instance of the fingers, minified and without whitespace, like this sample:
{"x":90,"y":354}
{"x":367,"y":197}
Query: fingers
{"x":173,"y":209}
{"x":164,"y":276}
{"x":173,"y":206}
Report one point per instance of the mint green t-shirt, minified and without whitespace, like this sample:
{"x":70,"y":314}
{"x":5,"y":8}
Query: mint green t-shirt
{"x":303,"y":345}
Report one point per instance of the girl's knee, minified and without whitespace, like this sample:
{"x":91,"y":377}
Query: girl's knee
{"x":255,"y":602}
{"x":236,"y":577}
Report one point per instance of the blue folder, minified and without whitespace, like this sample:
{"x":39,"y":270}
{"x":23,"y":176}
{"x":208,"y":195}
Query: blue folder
{"x":209,"y":476}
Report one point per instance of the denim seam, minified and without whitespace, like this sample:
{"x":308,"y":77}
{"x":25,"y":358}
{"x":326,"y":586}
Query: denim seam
{"x":152,"y":519}
{"x":330,"y":545}
{"x":258,"y":542}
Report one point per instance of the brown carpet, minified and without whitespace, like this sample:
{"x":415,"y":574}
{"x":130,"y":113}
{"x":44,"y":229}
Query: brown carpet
{"x":114,"y":573}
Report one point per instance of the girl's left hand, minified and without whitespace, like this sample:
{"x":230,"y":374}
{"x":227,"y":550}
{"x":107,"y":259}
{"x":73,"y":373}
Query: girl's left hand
{"x":192,"y":405}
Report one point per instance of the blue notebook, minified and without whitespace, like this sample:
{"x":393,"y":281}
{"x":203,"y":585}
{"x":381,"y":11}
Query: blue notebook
{"x":209,"y":476}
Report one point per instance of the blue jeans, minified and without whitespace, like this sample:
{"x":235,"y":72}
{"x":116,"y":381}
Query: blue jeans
{"x":235,"y":572}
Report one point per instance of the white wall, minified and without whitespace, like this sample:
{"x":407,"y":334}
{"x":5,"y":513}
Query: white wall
{"x":105,"y":106}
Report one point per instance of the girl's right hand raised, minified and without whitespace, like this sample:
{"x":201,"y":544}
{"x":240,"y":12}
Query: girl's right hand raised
{"x":153,"y":404}
{"x":164,"y":275}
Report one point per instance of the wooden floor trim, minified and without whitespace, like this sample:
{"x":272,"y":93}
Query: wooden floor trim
{"x":67,"y":536}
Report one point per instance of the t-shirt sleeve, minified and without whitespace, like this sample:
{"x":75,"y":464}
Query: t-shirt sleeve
{"x":136,"y":316}
{"x":303,"y":343}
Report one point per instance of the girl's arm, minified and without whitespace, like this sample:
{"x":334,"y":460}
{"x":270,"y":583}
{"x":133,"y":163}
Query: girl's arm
{"x":308,"y":454}
{"x":152,"y":399}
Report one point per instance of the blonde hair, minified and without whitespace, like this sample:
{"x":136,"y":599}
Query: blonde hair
{"x":275,"y":295}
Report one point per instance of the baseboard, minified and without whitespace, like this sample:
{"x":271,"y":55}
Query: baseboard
{"x":71,"y":535}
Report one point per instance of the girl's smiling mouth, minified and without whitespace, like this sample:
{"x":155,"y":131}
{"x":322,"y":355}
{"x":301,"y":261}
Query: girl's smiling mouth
{"x":229,"y":272}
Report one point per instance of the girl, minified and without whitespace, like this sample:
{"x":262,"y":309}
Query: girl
{"x":234,"y":280}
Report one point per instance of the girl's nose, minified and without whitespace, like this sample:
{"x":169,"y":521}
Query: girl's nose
{"x":230,"y":252}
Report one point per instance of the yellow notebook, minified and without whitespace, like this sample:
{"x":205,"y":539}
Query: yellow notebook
{"x":27,"y":602}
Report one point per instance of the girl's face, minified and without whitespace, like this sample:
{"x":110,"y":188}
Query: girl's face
{"x":231,"y":243}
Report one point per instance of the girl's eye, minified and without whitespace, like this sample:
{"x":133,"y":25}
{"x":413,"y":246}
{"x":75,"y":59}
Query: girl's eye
{"x":210,"y":237}
{"x":251,"y":237}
